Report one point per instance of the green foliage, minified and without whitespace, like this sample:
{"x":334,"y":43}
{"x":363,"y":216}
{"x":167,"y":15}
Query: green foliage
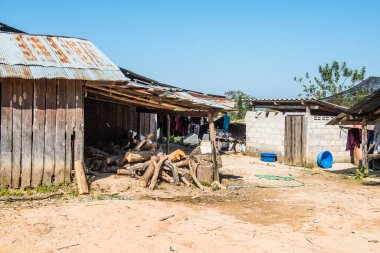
{"x":7,"y":192}
{"x":47,"y":189}
{"x":361,"y":172}
{"x":308,"y":166}
{"x":333,"y":78}
{"x":204,"y":183}
{"x":241,"y":100}
{"x":214,"y":187}
{"x":177,"y":140}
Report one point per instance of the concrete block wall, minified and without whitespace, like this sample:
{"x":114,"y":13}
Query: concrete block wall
{"x":265,"y":133}
{"x":323,"y":137}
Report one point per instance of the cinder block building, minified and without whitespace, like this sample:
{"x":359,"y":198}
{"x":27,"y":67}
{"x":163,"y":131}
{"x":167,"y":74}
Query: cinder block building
{"x":295,"y":130}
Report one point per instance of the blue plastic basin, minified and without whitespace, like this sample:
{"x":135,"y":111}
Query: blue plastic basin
{"x":268,"y":157}
{"x":325,"y":159}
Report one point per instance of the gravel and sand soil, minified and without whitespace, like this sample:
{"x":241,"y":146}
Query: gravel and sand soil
{"x":331,"y":212}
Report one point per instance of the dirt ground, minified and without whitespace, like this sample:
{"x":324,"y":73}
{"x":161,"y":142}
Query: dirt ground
{"x":328,"y":212}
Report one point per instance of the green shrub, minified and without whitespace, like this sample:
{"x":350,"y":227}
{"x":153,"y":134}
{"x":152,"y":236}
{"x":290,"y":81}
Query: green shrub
{"x":361,"y":172}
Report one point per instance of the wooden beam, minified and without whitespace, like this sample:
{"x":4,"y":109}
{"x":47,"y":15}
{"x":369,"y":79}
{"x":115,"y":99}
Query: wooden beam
{"x":373,"y":156}
{"x":138,"y":125}
{"x":126,"y":100}
{"x":174,"y":113}
{"x":134,"y":97}
{"x":211,"y":116}
{"x":364,"y":144}
{"x":161,"y":120}
{"x":167,"y":133}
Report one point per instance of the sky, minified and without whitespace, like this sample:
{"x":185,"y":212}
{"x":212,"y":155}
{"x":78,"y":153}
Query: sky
{"x":215,"y":46}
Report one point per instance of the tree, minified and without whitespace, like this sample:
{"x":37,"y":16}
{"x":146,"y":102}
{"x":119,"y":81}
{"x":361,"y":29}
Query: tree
{"x":333,"y":79}
{"x":241,"y":103}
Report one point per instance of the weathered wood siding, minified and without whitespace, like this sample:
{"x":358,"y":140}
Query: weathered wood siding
{"x":106,"y":122}
{"x":295,"y":140}
{"x":41,"y":131}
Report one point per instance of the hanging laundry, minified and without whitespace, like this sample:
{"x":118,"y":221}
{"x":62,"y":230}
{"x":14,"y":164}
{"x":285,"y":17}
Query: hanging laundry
{"x":177,"y":123}
{"x":226,"y":122}
{"x":196,"y":129}
{"x":377,"y":138}
{"x":371,"y":136}
{"x":354,"y":139}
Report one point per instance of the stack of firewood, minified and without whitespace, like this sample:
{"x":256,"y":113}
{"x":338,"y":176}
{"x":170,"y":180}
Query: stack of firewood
{"x":148,"y":164}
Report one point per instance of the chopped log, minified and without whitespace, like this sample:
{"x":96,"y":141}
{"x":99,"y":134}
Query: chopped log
{"x":112,"y":149}
{"x":81,"y":177}
{"x":126,"y":172}
{"x":96,"y":164}
{"x":193,"y":175}
{"x":174,"y":171}
{"x":207,"y":158}
{"x":164,"y":176}
{"x":196,"y":151}
{"x":184,"y":180}
{"x":181,"y":164}
{"x":138,"y":147}
{"x":138,"y":156}
{"x":137,"y":166}
{"x":148,"y":172}
{"x":110,"y":169}
{"x":182,"y":171}
{"x":205,"y":172}
{"x":95,"y":151}
{"x":131,"y":170}
{"x":157,"y":168}
{"x":149,"y":146}
{"x":115,"y":160}
{"x":176,"y":155}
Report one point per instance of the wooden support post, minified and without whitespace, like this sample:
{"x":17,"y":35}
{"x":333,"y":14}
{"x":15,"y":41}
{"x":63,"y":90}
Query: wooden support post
{"x":160,"y":138}
{"x":364,"y":144}
{"x":81,"y":177}
{"x":213,"y":145}
{"x":167,"y":133}
{"x":138,"y":125}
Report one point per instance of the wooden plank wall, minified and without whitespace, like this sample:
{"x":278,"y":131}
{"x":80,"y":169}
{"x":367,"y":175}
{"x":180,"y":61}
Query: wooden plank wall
{"x":106,"y":122}
{"x":41,"y":131}
{"x":295,"y":140}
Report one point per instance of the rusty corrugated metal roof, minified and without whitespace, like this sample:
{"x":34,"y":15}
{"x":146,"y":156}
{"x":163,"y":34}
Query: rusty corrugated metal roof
{"x":41,"y":56}
{"x":181,"y":95}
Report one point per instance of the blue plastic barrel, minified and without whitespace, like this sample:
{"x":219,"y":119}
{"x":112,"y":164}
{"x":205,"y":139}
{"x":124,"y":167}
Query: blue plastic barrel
{"x":268,"y":157}
{"x":325,"y":159}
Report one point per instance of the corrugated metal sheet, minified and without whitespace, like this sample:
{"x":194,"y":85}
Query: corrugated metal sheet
{"x":40,"y":56}
{"x":170,"y":91}
{"x":175,"y":94}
